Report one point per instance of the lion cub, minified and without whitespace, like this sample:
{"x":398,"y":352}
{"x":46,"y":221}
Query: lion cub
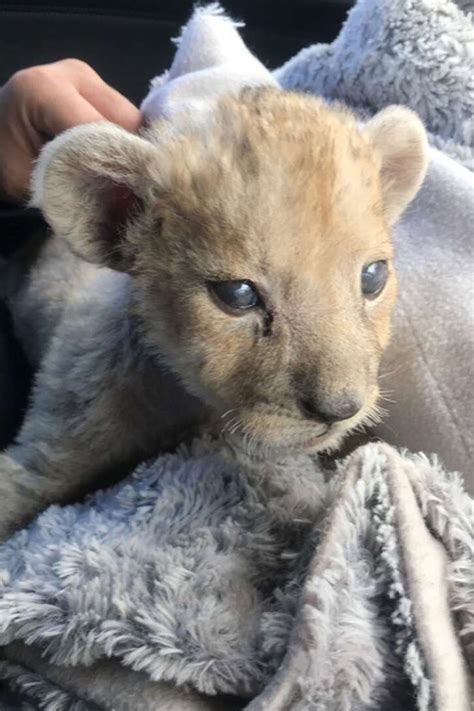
{"x":237,"y":271}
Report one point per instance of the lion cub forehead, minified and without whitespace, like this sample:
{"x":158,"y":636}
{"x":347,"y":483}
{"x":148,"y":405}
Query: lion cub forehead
{"x":274,"y":165}
{"x":264,"y":122}
{"x":290,"y":152}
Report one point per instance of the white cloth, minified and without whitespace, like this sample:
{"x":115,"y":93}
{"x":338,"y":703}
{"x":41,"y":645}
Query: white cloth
{"x":211,"y":60}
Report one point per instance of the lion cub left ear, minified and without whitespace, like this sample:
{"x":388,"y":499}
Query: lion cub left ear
{"x":90,"y":182}
{"x":399,"y":138}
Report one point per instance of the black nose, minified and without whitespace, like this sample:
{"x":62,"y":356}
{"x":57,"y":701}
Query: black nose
{"x":333,"y":409}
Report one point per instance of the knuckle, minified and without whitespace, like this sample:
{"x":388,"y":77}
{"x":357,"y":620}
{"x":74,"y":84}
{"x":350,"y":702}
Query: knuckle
{"x":20,"y":80}
{"x":26,"y":79}
{"x":75,"y":65}
{"x":30,"y":78}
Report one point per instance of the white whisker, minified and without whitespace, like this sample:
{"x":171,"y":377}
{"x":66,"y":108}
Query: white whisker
{"x":232,"y":409}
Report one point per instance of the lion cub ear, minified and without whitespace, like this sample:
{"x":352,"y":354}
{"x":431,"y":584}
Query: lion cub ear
{"x":90,"y":182}
{"x":399,"y":138}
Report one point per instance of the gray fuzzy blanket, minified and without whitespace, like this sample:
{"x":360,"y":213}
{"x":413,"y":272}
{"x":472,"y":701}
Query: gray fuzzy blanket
{"x":197,"y":584}
{"x":273,"y":582}
{"x":416,"y":53}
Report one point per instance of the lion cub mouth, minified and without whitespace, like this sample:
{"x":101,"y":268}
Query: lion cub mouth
{"x":265,"y":432}
{"x":262,"y":436}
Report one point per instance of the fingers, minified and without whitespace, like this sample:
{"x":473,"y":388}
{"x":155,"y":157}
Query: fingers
{"x":39,"y":102}
{"x":105,"y":100}
{"x":85,"y":97}
{"x":72,"y":110}
{"x":110,"y":103}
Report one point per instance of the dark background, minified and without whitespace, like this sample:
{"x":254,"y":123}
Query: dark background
{"x":129,"y":42}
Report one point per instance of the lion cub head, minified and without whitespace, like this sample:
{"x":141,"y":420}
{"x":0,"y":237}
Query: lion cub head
{"x":258,"y":246}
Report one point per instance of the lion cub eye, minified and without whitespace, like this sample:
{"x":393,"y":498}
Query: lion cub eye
{"x":373,"y":279}
{"x":235,"y":296}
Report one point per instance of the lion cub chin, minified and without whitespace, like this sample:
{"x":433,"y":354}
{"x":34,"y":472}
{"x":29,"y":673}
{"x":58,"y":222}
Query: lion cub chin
{"x":236,"y":272}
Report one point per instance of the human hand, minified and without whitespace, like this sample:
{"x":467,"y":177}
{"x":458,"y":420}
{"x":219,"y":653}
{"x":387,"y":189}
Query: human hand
{"x":39,"y":102}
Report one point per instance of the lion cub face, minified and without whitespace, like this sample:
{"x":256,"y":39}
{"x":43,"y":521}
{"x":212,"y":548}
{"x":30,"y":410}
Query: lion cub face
{"x":258,"y":243}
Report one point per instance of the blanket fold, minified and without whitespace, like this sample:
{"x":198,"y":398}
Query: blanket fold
{"x":200,"y":572}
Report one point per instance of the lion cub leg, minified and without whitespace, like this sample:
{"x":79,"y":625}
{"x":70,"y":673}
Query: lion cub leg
{"x":56,"y":465}
{"x":92,"y":417}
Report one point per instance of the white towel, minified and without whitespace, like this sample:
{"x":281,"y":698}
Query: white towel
{"x":211,"y":60}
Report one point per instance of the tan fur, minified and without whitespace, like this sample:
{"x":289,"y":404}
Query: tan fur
{"x":287,"y":193}
{"x":284,"y":191}
{"x":272,"y":187}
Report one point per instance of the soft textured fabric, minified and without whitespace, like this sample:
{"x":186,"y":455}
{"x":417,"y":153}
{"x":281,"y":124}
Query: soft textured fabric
{"x":211,"y":60}
{"x":417,"y":53}
{"x":198,"y":571}
{"x":281,"y":584}
{"x":429,"y":366}
{"x":420,"y":54}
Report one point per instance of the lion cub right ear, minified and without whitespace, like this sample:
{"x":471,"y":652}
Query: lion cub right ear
{"x":89,"y":182}
{"x":399,"y":138}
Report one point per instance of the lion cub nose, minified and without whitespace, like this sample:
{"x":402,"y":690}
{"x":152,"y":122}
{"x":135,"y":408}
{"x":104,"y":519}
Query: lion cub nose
{"x":333,"y":409}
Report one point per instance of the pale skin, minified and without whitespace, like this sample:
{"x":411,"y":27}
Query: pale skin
{"x":38,"y":103}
